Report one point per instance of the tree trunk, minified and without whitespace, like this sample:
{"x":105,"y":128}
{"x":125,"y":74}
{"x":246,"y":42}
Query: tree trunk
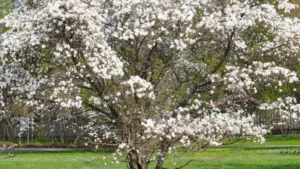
{"x":160,"y":161}
{"x":137,"y":161}
{"x":163,"y":150}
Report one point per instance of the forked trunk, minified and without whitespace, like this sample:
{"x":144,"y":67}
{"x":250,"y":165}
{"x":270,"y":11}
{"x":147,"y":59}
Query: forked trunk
{"x":163,"y":150}
{"x":160,"y":161}
{"x":137,"y":160}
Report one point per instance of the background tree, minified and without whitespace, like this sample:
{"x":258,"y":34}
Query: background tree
{"x":153,"y":74}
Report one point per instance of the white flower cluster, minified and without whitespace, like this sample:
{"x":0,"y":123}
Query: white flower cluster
{"x":66,"y":31}
{"x":189,"y":70}
{"x":64,"y":93}
{"x":286,"y":6}
{"x":247,"y":78}
{"x":287,"y":108}
{"x":140,"y":87}
{"x":17,"y":85}
{"x":212,"y":128}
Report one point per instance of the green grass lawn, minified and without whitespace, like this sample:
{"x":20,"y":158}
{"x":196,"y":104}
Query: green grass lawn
{"x":56,"y":160}
{"x":275,"y":140}
{"x":240,"y":155}
{"x":214,"y":158}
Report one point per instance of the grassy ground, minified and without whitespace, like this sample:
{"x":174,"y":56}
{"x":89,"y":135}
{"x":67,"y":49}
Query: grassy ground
{"x":248,"y":159}
{"x":55,"y":160}
{"x":220,"y":158}
{"x":275,"y":140}
{"x":243,"y":154}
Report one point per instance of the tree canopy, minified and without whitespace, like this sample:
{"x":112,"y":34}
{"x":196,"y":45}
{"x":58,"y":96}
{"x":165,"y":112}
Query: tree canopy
{"x":153,"y":74}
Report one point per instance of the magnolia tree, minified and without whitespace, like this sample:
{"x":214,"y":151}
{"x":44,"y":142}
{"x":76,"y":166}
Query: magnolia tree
{"x":152,"y":74}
